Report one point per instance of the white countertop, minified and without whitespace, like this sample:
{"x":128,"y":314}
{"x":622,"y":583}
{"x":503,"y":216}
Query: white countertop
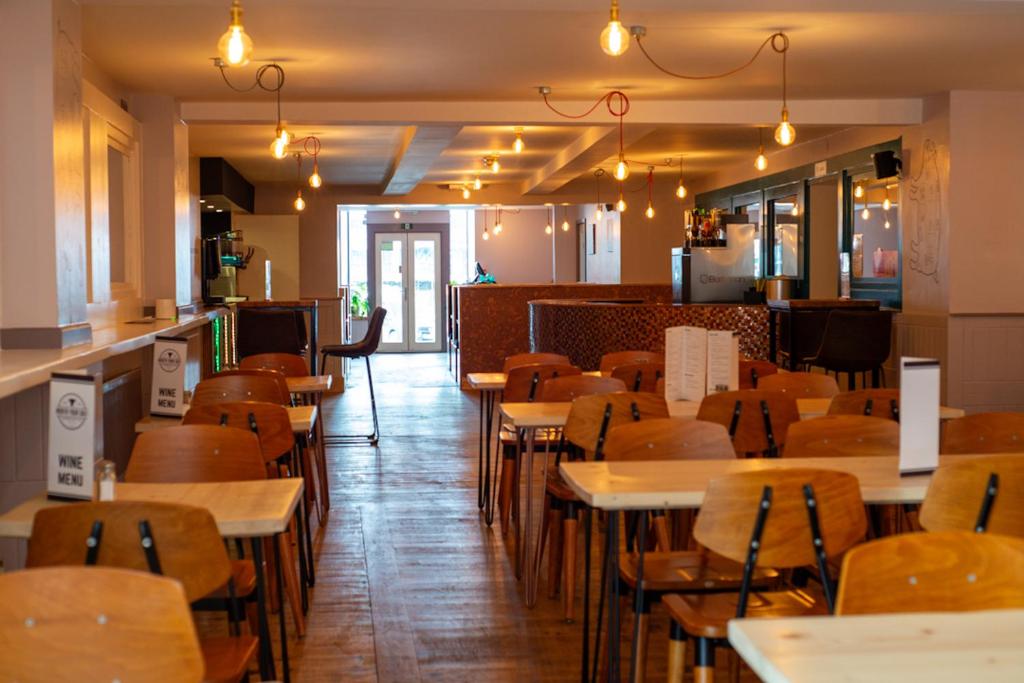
{"x":23,"y":369}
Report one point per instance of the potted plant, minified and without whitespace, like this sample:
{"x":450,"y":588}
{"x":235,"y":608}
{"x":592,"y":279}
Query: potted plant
{"x":360,"y":310}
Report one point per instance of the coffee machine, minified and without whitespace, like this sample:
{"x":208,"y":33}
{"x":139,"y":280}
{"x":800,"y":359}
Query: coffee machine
{"x":223,"y":255}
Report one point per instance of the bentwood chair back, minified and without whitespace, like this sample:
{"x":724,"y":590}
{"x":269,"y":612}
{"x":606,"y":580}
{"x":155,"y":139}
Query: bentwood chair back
{"x":751,"y":371}
{"x":147,"y":635}
{"x":193,"y":453}
{"x":668,"y":438}
{"x":946,"y":571}
{"x":838,"y":436}
{"x":640,"y":376}
{"x":243,"y":385}
{"x":984,"y":433}
{"x":523,"y":383}
{"x":757,"y":420}
{"x":610,"y":361}
{"x":592,"y":417}
{"x":800,"y":384}
{"x":873,"y":402}
{"x":269,"y":421}
{"x":533,"y":359}
{"x":985,"y":493}
{"x":566,"y":389}
{"x":288,"y":364}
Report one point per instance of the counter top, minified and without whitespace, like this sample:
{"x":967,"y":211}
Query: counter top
{"x":821,"y":304}
{"x":634,"y":302}
{"x":23,"y":369}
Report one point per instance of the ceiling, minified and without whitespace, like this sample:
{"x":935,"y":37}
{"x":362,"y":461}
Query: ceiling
{"x":408,"y":51}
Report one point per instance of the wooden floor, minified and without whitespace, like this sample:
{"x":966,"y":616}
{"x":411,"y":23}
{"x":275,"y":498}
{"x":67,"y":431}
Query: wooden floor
{"x":411,"y":584}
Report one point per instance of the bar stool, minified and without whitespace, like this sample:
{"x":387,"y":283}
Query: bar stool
{"x":271,"y":332}
{"x":361,"y":349}
{"x":855,"y":342}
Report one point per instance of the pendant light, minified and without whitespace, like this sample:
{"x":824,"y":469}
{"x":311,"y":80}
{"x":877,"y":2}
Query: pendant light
{"x":887,"y":224}
{"x":761,"y":162}
{"x":465,"y":193}
{"x":565,"y":218}
{"x":397,"y":214}
{"x":865,"y":214}
{"x":486,"y":236}
{"x":498,"y":227}
{"x":621,"y":168}
{"x":650,"y":192}
{"x":547,"y":228}
{"x":785,"y":134}
{"x":312,"y":147}
{"x":235,"y":46}
{"x":886,"y":203}
{"x":858,"y":191}
{"x":299,"y":203}
{"x":551,"y":219}
{"x":599,"y":213}
{"x":614,"y":37}
{"x":620,"y":205}
{"x":492,"y":164}
{"x":477,"y":185}
{"x":518,"y":145}
{"x":681,"y":188}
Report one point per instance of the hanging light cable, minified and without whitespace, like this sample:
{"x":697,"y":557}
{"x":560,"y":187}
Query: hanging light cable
{"x":761,"y":162}
{"x":486,"y":236}
{"x":599,"y":213}
{"x":312,"y":146}
{"x":621,"y":167}
{"x":650,"y":192}
{"x":785,"y":134}
{"x":498,"y":227}
{"x":235,"y":46}
{"x":681,"y":189}
{"x":299,"y":202}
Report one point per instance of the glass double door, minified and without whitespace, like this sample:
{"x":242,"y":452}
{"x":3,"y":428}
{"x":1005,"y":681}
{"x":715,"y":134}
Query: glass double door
{"x":408,"y":285}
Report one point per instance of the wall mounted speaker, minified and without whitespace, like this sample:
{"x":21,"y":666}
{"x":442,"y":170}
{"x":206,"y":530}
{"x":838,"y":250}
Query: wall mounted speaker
{"x":887,"y":164}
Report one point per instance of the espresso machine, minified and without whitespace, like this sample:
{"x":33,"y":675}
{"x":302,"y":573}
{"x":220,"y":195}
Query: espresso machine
{"x":223,"y":255}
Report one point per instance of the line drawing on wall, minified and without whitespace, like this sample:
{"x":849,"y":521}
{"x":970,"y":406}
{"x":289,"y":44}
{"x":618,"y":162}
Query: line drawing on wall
{"x":926,"y":192}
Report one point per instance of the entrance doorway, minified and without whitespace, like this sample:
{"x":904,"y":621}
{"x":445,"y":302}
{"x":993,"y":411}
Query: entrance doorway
{"x":408,"y":284}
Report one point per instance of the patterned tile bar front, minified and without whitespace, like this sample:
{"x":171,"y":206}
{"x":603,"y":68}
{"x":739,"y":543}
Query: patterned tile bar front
{"x":494,"y":320}
{"x":585,"y":330}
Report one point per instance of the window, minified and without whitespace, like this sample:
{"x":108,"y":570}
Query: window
{"x":116,"y":211}
{"x":875,"y":244}
{"x":352,"y":255}
{"x":785,"y":243}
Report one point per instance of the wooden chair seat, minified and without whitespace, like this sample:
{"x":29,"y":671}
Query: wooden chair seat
{"x":689,"y":570}
{"x":707,"y":615}
{"x":556,"y":486}
{"x":227,"y":659}
{"x":243,"y":572}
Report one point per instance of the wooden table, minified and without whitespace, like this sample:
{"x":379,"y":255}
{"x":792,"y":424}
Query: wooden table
{"x":303,"y":419}
{"x":935,"y":647}
{"x":309,"y":391}
{"x":242,"y":509}
{"x":314,"y":384}
{"x":649,"y":485}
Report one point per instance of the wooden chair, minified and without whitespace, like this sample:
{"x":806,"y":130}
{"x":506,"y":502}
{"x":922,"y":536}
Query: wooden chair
{"x":665,"y":570}
{"x":872,"y":402}
{"x":289,"y":365}
{"x":980,"y":494}
{"x":757,"y":420}
{"x":204,"y":453}
{"x":51,"y":626}
{"x":533,"y":359}
{"x":610,"y":361}
{"x":243,"y":385}
{"x":640,"y":376}
{"x":984,"y":433}
{"x":945,"y":571}
{"x":778,"y":506}
{"x":183,"y":543}
{"x":590,"y":420}
{"x":567,"y":389}
{"x":800,"y":384}
{"x":753,"y":370}
{"x":522,"y":385}
{"x":834,"y":436}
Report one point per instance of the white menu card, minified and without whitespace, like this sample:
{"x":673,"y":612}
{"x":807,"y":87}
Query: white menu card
{"x":685,"y":363}
{"x":919,"y":415}
{"x":723,"y":361}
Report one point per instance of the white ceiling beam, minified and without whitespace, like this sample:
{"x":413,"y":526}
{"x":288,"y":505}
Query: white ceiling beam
{"x":418,"y":150}
{"x":871,"y":112}
{"x":592,"y":147}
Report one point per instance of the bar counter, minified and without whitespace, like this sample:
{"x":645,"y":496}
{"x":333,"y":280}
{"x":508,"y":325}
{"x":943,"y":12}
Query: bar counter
{"x":586,"y":330}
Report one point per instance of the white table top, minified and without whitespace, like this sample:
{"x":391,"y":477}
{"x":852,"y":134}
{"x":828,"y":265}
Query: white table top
{"x":314,"y":384}
{"x":302,"y":418}
{"x":652,"y":485}
{"x":934,"y":647}
{"x":240,"y":508}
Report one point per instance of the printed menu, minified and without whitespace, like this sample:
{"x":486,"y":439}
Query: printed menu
{"x":698,"y":362}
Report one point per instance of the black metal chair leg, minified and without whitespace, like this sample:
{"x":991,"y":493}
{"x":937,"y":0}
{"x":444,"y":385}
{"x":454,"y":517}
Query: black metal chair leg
{"x":356,"y":439}
{"x":375,"y":437}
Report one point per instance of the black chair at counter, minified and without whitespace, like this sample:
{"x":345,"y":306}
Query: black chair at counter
{"x":271,"y":332}
{"x":856,"y":342}
{"x":360,"y":349}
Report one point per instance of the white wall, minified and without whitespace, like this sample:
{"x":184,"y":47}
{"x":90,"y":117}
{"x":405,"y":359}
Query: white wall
{"x":522,"y":253}
{"x":604,"y":264}
{"x":274,"y":238}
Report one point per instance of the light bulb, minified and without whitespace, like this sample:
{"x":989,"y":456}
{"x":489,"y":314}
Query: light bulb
{"x":498,"y":227}
{"x":495,"y":165}
{"x":486,"y":236}
{"x":235,"y":46}
{"x":599,"y":214}
{"x":547,"y":229}
{"x":886,"y":204}
{"x":518,"y":145}
{"x":887,"y":224}
{"x":465,"y":193}
{"x":620,"y":206}
{"x":865,"y":214}
{"x":397,"y":214}
{"x":795,"y":211}
{"x":477,"y":184}
{"x":650,"y":211}
{"x":284,"y":136}
{"x":621,"y":169}
{"x":279,"y":148}
{"x":761,"y":162}
{"x":565,"y":226}
{"x":681,"y":190}
{"x":785,"y":134}
{"x":614,"y":37}
{"x":315,"y":180}
{"x":299,"y":203}
{"x":858,"y":191}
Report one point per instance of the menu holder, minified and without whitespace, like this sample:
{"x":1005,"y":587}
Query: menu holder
{"x":723,"y":361}
{"x":168,"y":395}
{"x":71,"y":455}
{"x":919,"y":415}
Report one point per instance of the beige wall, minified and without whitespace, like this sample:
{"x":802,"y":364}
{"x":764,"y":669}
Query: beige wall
{"x":274,"y":238}
{"x":647,"y":242}
{"x":522,"y":253}
{"x":318,"y":234}
{"x":604,"y":266}
{"x":825,"y":222}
